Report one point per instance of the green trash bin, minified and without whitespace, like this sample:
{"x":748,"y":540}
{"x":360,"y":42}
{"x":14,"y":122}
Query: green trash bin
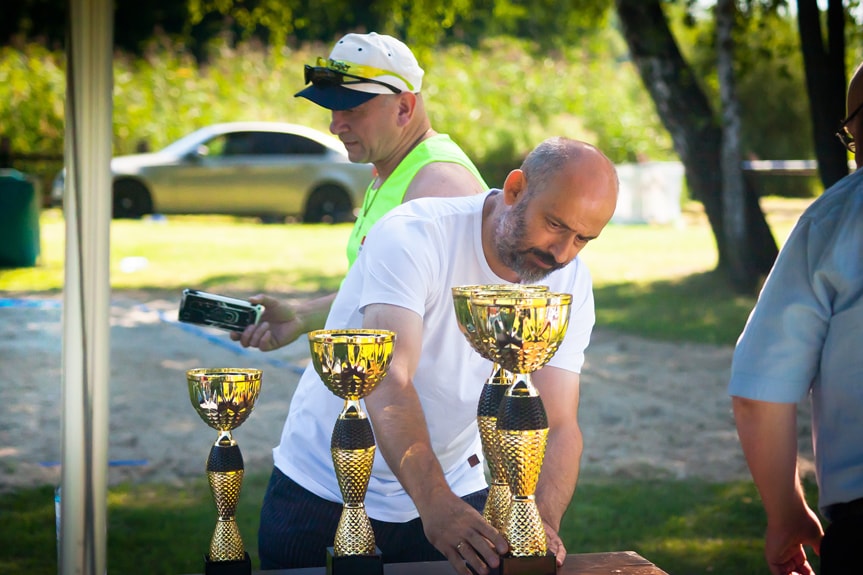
{"x":19,"y":220}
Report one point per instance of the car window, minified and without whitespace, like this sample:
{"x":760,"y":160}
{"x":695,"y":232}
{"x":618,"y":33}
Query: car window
{"x":276,"y":143}
{"x":238,"y":144}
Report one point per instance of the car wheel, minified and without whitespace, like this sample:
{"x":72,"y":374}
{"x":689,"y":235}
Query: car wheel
{"x":329,"y":205}
{"x":131,"y":200}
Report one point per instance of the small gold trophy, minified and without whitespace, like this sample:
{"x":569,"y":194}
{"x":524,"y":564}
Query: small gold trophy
{"x":522,"y":331}
{"x":224,"y":398}
{"x":496,"y":508}
{"x":351,"y":362}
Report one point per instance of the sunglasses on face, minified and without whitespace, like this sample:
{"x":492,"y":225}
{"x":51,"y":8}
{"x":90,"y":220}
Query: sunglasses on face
{"x":339,"y":72}
{"x":846,"y":137}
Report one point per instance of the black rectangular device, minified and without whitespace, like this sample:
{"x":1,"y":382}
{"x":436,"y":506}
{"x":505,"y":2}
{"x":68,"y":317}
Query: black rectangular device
{"x":219,"y":311}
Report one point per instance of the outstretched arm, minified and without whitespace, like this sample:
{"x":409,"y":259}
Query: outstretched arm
{"x":768,"y":435}
{"x":402,"y":436}
{"x":282,"y":323}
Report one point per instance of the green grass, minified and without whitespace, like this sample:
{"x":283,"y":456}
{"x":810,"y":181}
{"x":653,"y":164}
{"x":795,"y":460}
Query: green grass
{"x":222,"y":254}
{"x":685,"y":527}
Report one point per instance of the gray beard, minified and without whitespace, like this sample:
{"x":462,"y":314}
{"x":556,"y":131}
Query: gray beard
{"x":510,"y":246}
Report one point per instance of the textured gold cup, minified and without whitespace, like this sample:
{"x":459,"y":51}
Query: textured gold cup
{"x":496,"y":508}
{"x":521,"y":332}
{"x":351,"y":362}
{"x":224,"y":398}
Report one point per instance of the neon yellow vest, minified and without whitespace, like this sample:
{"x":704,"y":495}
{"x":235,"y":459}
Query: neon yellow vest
{"x":439,"y":148}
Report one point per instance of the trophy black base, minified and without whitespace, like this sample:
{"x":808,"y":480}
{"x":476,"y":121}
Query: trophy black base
{"x":509,"y":565}
{"x":355,"y":564}
{"x":239,"y":567}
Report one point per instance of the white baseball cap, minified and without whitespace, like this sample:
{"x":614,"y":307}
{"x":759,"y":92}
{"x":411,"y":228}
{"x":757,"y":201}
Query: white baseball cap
{"x":360,"y":67}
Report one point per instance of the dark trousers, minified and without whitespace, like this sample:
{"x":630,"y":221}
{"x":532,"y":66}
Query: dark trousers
{"x":297,"y":526}
{"x":840,"y":547}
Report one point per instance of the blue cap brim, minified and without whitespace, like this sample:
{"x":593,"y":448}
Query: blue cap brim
{"x":334,"y":97}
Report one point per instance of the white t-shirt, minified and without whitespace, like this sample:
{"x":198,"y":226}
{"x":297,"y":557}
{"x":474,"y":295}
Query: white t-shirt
{"x":412,"y":258}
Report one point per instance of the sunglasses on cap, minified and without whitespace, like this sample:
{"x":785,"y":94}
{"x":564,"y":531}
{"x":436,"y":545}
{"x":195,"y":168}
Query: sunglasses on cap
{"x":336,"y":73}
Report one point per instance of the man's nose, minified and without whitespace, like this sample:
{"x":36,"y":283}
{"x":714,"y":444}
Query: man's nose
{"x":337,"y":122}
{"x":565,"y":250}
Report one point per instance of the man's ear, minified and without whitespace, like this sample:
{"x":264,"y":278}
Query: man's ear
{"x":514,"y":185}
{"x":407,"y":107}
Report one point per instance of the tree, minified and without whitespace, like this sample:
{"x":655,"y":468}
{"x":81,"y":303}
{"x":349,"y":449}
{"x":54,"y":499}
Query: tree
{"x":733,"y":184}
{"x":825,"y":83}
{"x":687,"y":115}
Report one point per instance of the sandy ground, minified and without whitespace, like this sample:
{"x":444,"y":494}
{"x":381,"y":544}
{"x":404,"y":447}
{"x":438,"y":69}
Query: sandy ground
{"x":648,"y":409}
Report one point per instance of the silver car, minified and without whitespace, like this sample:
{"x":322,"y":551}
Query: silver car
{"x":265,"y":169}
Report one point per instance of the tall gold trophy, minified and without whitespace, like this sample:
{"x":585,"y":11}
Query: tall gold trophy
{"x":224,"y":398}
{"x":496,"y":508}
{"x":351,"y":362}
{"x":522,"y":332}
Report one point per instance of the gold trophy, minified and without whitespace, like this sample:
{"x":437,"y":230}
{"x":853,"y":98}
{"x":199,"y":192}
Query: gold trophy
{"x":351,"y":362}
{"x":496,"y":508}
{"x":224,"y":398}
{"x":522,"y":333}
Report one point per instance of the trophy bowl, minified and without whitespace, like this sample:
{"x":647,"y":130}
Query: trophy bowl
{"x":520,"y":332}
{"x":224,"y":397}
{"x":461,"y":296}
{"x":351,"y":362}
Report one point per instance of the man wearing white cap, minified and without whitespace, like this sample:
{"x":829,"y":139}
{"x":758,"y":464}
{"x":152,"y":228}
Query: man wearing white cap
{"x":372,"y":83}
{"x":392,"y":132}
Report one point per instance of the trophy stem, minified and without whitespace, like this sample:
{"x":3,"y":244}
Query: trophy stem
{"x":497,"y":504}
{"x":522,"y":431}
{"x":353,"y":451}
{"x":225,"y":474}
{"x":524,"y":529}
{"x":354,"y":535}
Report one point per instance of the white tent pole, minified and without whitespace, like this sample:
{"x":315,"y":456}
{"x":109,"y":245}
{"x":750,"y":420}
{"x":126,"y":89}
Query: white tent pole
{"x":87,"y":291}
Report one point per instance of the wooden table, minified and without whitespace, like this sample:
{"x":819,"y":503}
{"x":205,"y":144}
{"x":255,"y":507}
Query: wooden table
{"x":613,"y":563}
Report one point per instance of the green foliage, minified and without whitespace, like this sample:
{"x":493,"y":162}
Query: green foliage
{"x":32,"y":91}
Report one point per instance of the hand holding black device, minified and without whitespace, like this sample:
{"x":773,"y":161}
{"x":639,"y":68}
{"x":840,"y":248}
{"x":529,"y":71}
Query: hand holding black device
{"x":219,"y":311}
